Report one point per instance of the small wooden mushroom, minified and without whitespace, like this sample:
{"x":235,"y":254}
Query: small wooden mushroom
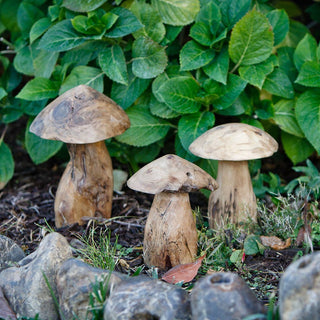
{"x":170,"y":236}
{"x":233,"y":145}
{"x":83,"y":118}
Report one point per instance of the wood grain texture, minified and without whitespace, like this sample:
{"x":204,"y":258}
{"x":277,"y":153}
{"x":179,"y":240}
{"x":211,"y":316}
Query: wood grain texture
{"x":234,"y":142}
{"x":170,"y":236}
{"x":80,"y":115}
{"x":234,"y":201}
{"x":86,"y":186}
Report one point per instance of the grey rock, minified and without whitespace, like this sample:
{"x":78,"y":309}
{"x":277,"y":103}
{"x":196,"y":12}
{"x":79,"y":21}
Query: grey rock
{"x":224,"y":296}
{"x":75,"y":281}
{"x":299,"y":290}
{"x":25,"y":287}
{"x":144,"y":298}
{"x":10,"y":252}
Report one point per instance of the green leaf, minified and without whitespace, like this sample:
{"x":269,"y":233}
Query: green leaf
{"x":151,"y":19}
{"x":82,"y":5}
{"x":171,"y":34}
{"x":230,"y":92}
{"x":279,"y":84}
{"x":251,"y":246}
{"x":251,"y":39}
{"x":279,"y":21}
{"x":127,"y":23}
{"x":8,"y":15}
{"x":6,"y":164}
{"x":218,"y":68}
{"x":182,"y":152}
{"x":179,"y":94}
{"x":149,"y":58}
{"x":236,"y":256}
{"x":232,"y":11}
{"x":240,"y":106}
{"x":40,"y":150}
{"x":297,"y":149}
{"x":297,"y":31}
{"x":27,"y":15}
{"x":177,"y":12}
{"x":194,"y":56}
{"x":144,"y":129}
{"x":3,"y":93}
{"x":61,"y":37}
{"x":306,"y":50}
{"x":308,"y":116}
{"x":255,"y":74}
{"x":264,"y":110}
{"x":38,"y":89}
{"x":192,"y":126}
{"x":87,"y":25}
{"x":161,"y":110}
{"x":39,"y":28}
{"x":44,"y":63}
{"x":286,"y":64}
{"x":126,"y":95}
{"x":90,"y":76}
{"x":309,"y":74}
{"x":32,"y":108}
{"x":113,"y":64}
{"x":285,"y":118}
{"x":210,"y":16}
{"x":201,"y":33}
{"x":23,"y":62}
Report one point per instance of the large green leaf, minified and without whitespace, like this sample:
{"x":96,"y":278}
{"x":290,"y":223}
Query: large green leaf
{"x":232,"y":11}
{"x":151,"y":19}
{"x":210,"y":16}
{"x":126,"y":23}
{"x":44,"y":63}
{"x":90,"y":76}
{"x":191,"y":126}
{"x":23,"y":62}
{"x":6,"y":164}
{"x":179,"y":94}
{"x":297,"y":149}
{"x":39,"y":89}
{"x":297,"y":31}
{"x":82,"y":5}
{"x":309,"y":74}
{"x":177,"y":12}
{"x":144,"y":129}
{"x":279,"y":21}
{"x":218,"y":68}
{"x":306,"y":50}
{"x":39,"y":28}
{"x":285,"y":118}
{"x":61,"y":37}
{"x":40,"y":150}
{"x":3,"y":93}
{"x":308,"y":116}
{"x":149,"y":58}
{"x":286,"y":64}
{"x":161,"y":110}
{"x":126,"y":95}
{"x":194,"y":56}
{"x":279,"y":84}
{"x":251,"y":39}
{"x":113,"y":63}
{"x":28,"y":14}
{"x":255,"y":74}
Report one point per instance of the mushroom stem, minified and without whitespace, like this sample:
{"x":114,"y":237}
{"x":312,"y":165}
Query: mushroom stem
{"x":170,"y":236}
{"x":86,"y":186}
{"x":234,"y":201}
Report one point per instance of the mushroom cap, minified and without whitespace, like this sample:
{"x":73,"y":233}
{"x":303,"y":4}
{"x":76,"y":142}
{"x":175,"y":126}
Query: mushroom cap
{"x":80,"y":115}
{"x":234,"y":142}
{"x":173,"y":174}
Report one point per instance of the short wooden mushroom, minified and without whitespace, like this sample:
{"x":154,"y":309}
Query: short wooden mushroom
{"x":83,"y":118}
{"x":170,"y":236}
{"x":233,"y":145}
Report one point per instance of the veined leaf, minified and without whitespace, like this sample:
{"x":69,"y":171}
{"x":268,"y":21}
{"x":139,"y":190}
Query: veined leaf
{"x":232,"y":11}
{"x":251,"y":39}
{"x":306,"y":50}
{"x":27,"y":15}
{"x":149,"y":58}
{"x":308,"y":116}
{"x":161,"y":110}
{"x":82,"y":5}
{"x":6,"y":164}
{"x":279,"y":21}
{"x":179,"y":94}
{"x":309,"y":74}
{"x":210,"y":16}
{"x":193,"y":56}
{"x":112,"y":62}
{"x":177,"y":12}
{"x":145,"y":129}
{"x":39,"y":89}
{"x":286,"y":64}
{"x":39,"y":28}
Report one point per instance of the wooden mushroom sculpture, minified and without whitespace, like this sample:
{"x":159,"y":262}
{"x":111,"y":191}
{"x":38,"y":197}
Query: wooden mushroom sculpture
{"x":170,"y":236}
{"x":233,"y":145}
{"x":83,"y":118}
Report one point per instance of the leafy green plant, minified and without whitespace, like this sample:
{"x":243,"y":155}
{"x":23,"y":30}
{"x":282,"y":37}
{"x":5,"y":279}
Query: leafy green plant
{"x":177,"y":68}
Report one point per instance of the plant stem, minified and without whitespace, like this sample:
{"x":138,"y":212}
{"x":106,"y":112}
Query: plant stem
{"x":3,"y":133}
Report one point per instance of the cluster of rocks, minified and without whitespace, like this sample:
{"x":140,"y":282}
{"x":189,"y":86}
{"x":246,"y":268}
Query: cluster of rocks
{"x":52,"y":284}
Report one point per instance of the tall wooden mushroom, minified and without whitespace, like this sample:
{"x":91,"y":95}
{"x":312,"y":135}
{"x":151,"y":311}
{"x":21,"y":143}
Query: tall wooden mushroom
{"x":233,"y":145}
{"x":83,"y":118}
{"x":170,"y":236}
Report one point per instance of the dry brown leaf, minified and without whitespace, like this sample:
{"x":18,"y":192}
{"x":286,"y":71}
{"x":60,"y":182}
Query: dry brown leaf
{"x":5,"y":310}
{"x":183,"y":272}
{"x":275,"y":242}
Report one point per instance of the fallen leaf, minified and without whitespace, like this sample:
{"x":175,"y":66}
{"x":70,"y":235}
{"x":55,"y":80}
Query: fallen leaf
{"x":183,"y":272}
{"x":5,"y":310}
{"x":275,"y":242}
{"x":303,"y":231}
